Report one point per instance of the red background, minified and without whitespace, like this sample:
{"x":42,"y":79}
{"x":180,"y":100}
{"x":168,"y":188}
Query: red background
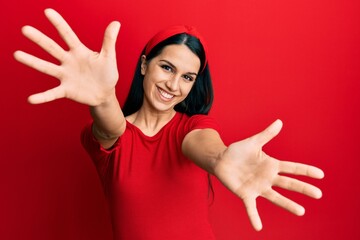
{"x":294,"y":60}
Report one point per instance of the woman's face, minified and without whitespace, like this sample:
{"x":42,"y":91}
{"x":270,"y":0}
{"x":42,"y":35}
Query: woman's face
{"x":169,"y":77}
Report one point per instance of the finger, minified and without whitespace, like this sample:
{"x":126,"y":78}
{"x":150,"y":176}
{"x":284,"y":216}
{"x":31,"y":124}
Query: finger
{"x":47,"y":96}
{"x":284,"y":202}
{"x":110,"y":36}
{"x":298,"y":186}
{"x":63,"y":28}
{"x":269,"y":133}
{"x":44,"y":42}
{"x":300,"y":169}
{"x":253,"y":214}
{"x":38,"y":64}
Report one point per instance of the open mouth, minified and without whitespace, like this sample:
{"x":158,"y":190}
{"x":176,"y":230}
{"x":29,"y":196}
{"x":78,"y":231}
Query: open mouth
{"x":165,"y":95}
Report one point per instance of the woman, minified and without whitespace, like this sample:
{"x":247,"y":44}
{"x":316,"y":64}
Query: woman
{"x":151,"y":155}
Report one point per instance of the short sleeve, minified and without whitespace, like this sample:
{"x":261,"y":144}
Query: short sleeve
{"x":92,"y":146}
{"x":101,"y":157}
{"x":201,"y":122}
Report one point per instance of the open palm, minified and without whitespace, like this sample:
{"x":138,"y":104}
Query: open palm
{"x":249,"y":173}
{"x":85,"y":76}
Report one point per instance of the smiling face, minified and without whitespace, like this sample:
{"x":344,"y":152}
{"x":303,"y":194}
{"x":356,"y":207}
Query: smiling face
{"x":169,"y":77}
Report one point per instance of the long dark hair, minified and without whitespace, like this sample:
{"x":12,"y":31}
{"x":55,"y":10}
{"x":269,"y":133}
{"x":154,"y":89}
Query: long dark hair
{"x":201,"y":96}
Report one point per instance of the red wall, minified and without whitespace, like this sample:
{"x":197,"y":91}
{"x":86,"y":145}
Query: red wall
{"x":294,"y":60}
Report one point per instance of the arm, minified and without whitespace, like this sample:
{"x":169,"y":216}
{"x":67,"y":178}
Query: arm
{"x":249,"y":172}
{"x":85,"y":76}
{"x":204,"y":147}
{"x":109,"y":122}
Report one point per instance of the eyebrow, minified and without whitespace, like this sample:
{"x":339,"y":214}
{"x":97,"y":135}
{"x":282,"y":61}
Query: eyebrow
{"x":173,"y":66}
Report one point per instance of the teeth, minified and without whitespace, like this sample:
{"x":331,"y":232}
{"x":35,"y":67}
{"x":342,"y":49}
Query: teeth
{"x":165,"y":94}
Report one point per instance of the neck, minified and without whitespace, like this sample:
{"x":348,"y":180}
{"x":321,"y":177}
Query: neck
{"x":150,"y":122}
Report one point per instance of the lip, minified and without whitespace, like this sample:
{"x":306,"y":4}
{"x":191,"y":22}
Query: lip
{"x":164,"y":95}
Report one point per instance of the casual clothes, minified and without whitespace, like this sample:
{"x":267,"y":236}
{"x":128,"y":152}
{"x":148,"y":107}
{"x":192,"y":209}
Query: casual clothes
{"x":153,"y":190}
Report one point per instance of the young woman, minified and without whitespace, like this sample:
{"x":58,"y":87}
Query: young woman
{"x":154,"y":154}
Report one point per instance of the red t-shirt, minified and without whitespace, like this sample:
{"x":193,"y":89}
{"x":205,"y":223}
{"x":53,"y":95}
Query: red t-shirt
{"x":153,"y":190}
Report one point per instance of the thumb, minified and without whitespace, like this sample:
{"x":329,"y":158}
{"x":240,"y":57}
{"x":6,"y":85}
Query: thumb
{"x":47,"y":96}
{"x":110,"y":36}
{"x":269,"y":133}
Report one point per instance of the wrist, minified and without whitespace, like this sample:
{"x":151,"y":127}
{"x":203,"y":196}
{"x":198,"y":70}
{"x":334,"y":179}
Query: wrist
{"x":216,"y":166}
{"x":105,"y":101}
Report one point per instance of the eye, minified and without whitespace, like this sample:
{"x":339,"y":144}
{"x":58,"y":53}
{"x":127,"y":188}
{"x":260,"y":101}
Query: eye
{"x":167,"y":68}
{"x":188,"y":78}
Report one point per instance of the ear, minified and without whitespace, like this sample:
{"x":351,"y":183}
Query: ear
{"x":143,"y":64}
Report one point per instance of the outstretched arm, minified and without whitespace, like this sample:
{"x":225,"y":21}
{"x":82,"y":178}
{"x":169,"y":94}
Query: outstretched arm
{"x":85,"y":76}
{"x":249,"y":172}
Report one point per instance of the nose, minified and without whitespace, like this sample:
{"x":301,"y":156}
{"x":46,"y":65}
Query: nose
{"x":173,"y":82}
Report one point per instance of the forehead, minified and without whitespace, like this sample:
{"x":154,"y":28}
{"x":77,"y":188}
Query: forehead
{"x":181,"y":57}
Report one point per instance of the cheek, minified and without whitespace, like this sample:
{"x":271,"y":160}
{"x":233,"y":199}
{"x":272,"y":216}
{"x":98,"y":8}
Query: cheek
{"x":147,"y":85}
{"x":186,"y":88}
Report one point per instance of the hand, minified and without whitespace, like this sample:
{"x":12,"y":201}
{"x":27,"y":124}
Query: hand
{"x":85,"y":76}
{"x":248,"y":172}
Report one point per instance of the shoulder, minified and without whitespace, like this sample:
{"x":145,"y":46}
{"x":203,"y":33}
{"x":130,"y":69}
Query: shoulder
{"x":198,"y":121}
